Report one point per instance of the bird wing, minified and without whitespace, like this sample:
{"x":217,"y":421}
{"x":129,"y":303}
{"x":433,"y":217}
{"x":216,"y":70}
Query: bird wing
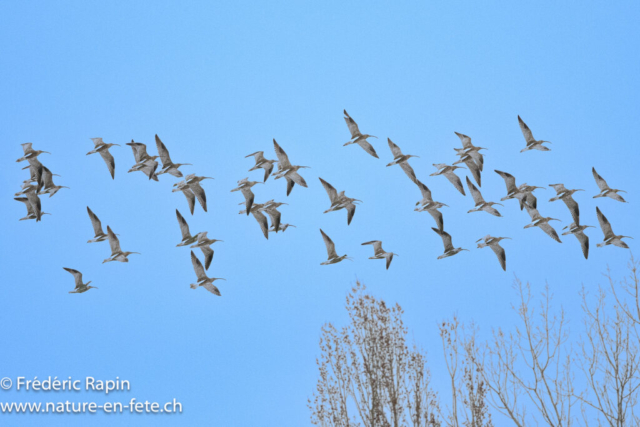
{"x":198,"y":191}
{"x":528,"y":136}
{"x":113,"y":241}
{"x":455,"y":180}
{"x":558,"y":187}
{"x":34,"y":201}
{"x":437,"y":215}
{"x":475,"y":170}
{"x":584,"y":243}
{"x":275,"y":216}
{"x":197,"y":267}
{"x":331,"y":248}
{"x":491,"y":210}
{"x":602,"y":184}
{"x":533,"y":212}
{"x":248,"y":197}
{"x":531,"y":200}
{"x":395,"y":150}
{"x":111,"y":163}
{"x":406,"y":167}
{"x":368,"y":147}
{"x":258,"y":155}
{"x":283,"y":159}
{"x":47,"y":177}
{"x":77,"y":276}
{"x":389,"y":257}
{"x":184,"y":227}
{"x":573,"y":208}
{"x":26,"y":203}
{"x":351,"y":210}
{"x":267,"y":171}
{"x":501,"y":254}
{"x":97,"y":141}
{"x":446,"y":239}
{"x":26,"y":147}
{"x":208,"y":255}
{"x":290,"y":184}
{"x":191,"y":198}
{"x":163,"y":153}
{"x":95,"y":222}
{"x":353,"y":126}
{"x":605,"y":225}
{"x":550,"y":231}
{"x":262,"y":221}
{"x":377,"y":245}
{"x":297,"y":178}
{"x":212,"y":288}
{"x":202,"y":236}
{"x":136,"y":153}
{"x":149,"y":169}
{"x":466,"y":141}
{"x":331,"y":191}
{"x":424,"y":190}
{"x":478,"y":158}
{"x":475,"y":193}
{"x":509,"y":180}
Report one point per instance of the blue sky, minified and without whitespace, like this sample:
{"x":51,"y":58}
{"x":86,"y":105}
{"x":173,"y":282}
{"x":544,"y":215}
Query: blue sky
{"x":219,"y":81}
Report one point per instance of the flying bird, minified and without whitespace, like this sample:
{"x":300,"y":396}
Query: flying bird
{"x":263,"y":163}
{"x":532,"y":143}
{"x":103,"y":148}
{"x":448,"y":172}
{"x":203,"y":280}
{"x":256,"y":211}
{"x":167,"y":165}
{"x":379,"y":253}
{"x":332,"y":256}
{"x":523,"y":193}
{"x":191,"y":188}
{"x":578,"y":231}
{"x":31,"y":214}
{"x":472,"y":166}
{"x":427,"y":204}
{"x":100,"y":236}
{"x":116,"y":252}
{"x":565,"y":195}
{"x":204,"y":243}
{"x":357,"y":137}
{"x":271,"y":208}
{"x":471,"y":150}
{"x":402,"y":160}
{"x":80,"y":287}
{"x":144,"y":162}
{"x":449,"y":250}
{"x":542,"y":223}
{"x":494,"y":244}
{"x":610,"y":238}
{"x":187,"y":238}
{"x":287,"y":170}
{"x":605,"y":190}
{"x":244,"y":186}
{"x":481,"y":205}
{"x":283,"y":228}
{"x":339,"y":201}
{"x":29,"y":152}
{"x":48,"y":186}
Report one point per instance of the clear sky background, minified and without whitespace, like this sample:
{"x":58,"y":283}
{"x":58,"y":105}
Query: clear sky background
{"x":217,"y":81}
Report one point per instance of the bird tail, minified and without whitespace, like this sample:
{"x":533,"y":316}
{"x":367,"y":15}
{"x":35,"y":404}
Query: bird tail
{"x":193,"y":286}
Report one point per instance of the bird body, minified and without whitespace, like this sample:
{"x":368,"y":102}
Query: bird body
{"x":449,"y":250}
{"x":204,"y":243}
{"x":244,"y":186}
{"x":542,"y":223}
{"x":340,"y":201}
{"x":578,"y":231}
{"x":481,"y":204}
{"x":262,"y":163}
{"x":402,"y":160}
{"x":167,"y":165}
{"x":494,"y":244}
{"x":187,"y":238}
{"x":192,"y":190}
{"x":116,"y":253}
{"x":100,"y":236}
{"x":287,"y":170}
{"x":564,"y":194}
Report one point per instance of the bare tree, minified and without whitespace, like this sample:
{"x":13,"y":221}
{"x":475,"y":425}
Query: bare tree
{"x":610,"y":361}
{"x":368,"y":375}
{"x":530,"y":365}
{"x":631,"y":287}
{"x":467,"y":386}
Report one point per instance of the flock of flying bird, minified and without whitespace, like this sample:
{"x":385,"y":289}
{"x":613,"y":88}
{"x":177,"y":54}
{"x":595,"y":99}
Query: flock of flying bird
{"x":41,"y":182}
